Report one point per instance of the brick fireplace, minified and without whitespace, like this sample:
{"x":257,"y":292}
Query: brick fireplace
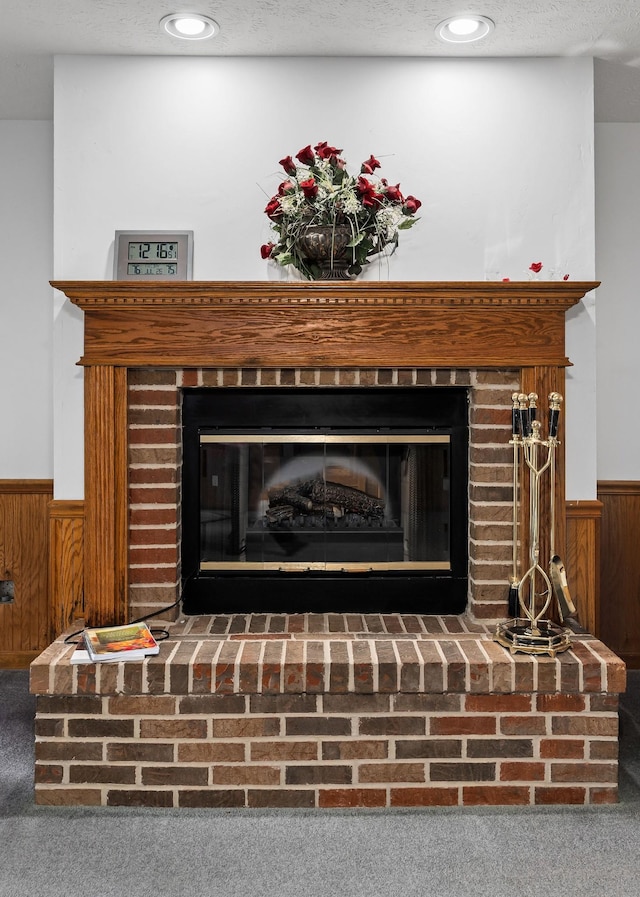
{"x":154,"y":459}
{"x":314,"y":709}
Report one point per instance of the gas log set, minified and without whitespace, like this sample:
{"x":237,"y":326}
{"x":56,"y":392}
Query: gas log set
{"x":318,"y":501}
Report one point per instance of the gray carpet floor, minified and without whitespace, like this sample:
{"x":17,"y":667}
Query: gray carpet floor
{"x":448,"y":852}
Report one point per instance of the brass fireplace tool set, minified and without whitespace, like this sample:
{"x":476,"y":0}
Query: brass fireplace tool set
{"x":530,"y":595}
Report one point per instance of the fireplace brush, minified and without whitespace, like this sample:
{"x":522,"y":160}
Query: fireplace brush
{"x":530,"y":595}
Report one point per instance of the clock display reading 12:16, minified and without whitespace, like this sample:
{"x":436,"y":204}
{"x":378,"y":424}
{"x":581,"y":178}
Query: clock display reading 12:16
{"x":152,"y":252}
{"x":162,"y":255}
{"x":153,"y":259}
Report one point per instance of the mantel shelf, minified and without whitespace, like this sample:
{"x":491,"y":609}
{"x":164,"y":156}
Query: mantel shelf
{"x":88,"y":293}
{"x":320,"y":324}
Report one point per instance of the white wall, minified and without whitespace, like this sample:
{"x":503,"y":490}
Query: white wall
{"x":617,"y":266}
{"x":26,"y":171}
{"x":499,"y":151}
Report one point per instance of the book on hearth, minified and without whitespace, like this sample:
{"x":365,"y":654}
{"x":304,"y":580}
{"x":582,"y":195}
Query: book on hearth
{"x":81,"y":655}
{"x":133,"y":641}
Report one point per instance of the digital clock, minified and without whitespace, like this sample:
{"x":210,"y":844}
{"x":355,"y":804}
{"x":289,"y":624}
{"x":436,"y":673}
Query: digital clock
{"x":153,"y":255}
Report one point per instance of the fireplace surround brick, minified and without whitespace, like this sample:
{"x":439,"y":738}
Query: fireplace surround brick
{"x":155,"y":458}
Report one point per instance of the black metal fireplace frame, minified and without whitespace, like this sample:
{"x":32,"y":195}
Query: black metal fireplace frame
{"x":441,"y":410}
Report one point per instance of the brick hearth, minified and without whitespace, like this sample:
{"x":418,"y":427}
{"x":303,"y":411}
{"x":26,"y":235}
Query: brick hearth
{"x":329,"y":711}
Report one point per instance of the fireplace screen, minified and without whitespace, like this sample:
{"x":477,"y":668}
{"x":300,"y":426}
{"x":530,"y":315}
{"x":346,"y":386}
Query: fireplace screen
{"x":347,"y":502}
{"x":309,"y":499}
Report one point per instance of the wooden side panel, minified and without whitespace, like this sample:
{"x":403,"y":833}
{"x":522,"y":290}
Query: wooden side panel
{"x":105,"y":540}
{"x":582,"y":560}
{"x":66,"y":545}
{"x":24,"y":562}
{"x":619,"y":614}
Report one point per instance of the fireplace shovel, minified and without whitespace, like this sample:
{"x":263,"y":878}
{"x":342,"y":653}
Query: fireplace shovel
{"x":561,"y":588}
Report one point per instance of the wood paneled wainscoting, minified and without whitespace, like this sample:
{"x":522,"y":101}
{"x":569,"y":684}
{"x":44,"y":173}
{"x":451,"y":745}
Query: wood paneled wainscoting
{"x":582,"y":560}
{"x":66,"y":543}
{"x":619,"y":613}
{"x":24,"y":570}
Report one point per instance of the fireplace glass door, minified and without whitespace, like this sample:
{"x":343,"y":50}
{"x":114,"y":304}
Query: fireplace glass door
{"x":341,"y":502}
{"x":324,"y":500}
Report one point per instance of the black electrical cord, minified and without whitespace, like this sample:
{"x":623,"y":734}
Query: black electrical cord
{"x":159,"y":634}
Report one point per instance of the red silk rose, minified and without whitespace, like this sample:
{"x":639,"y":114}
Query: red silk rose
{"x":370,"y":165}
{"x":306,"y":156}
{"x":266,"y":249}
{"x":272,"y":209}
{"x":284,"y":186}
{"x":309,"y":188}
{"x":367,"y":192}
{"x":536,"y":267}
{"x":288,"y":164}
{"x":393,"y":193}
{"x":411,"y":205}
{"x":325,"y":151}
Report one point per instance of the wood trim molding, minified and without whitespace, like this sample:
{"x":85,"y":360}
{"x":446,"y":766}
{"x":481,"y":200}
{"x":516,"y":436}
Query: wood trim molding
{"x":69,"y":508}
{"x":584,"y":509}
{"x":561,"y":294}
{"x":618,"y":487}
{"x":26,"y":487}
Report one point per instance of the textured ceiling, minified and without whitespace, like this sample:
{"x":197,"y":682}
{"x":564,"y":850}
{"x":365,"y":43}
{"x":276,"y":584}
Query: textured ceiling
{"x":33,"y":31}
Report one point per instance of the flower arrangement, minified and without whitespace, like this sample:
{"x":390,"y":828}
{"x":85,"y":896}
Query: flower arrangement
{"x":320,"y":191}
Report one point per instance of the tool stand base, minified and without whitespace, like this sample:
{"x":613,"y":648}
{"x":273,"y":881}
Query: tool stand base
{"x":518,"y":635}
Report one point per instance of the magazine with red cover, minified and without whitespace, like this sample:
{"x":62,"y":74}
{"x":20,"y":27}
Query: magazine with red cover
{"x":133,"y":641}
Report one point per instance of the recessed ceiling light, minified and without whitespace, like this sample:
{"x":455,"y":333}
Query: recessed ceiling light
{"x":464,"y":29}
{"x":189,"y":25}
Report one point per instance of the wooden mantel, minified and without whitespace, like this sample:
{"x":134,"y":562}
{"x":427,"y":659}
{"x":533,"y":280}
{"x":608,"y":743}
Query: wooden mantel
{"x":321,"y":324}
{"x":456,"y":324}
